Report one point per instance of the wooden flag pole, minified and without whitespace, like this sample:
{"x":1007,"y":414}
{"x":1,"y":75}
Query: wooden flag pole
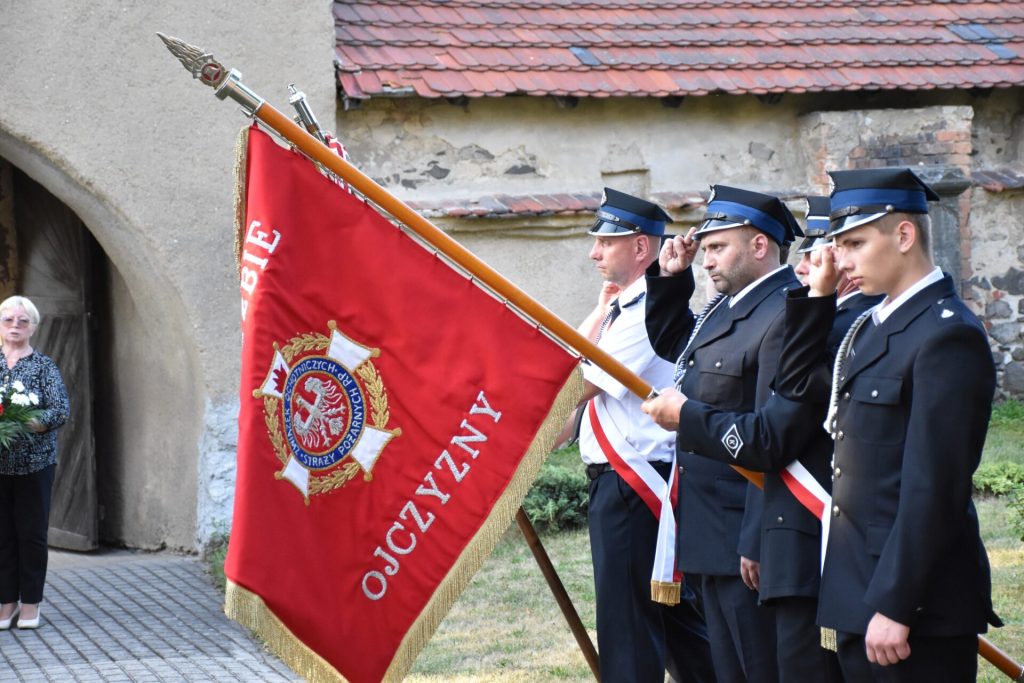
{"x":558,"y":590}
{"x":1000,"y":660}
{"x":228,"y":83}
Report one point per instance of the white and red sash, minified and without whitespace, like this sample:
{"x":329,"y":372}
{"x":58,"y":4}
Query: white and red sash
{"x":811,"y":494}
{"x":659,"y":495}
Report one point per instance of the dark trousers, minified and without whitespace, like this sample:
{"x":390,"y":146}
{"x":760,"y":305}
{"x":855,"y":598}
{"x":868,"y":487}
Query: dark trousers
{"x":24,"y":520}
{"x":801,"y":656}
{"x":742,"y":633}
{"x":951,"y":660}
{"x":638,"y":638}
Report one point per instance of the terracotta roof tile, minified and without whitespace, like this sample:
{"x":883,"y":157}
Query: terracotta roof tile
{"x":600,"y":48}
{"x":503,"y":206}
{"x":999,"y":179}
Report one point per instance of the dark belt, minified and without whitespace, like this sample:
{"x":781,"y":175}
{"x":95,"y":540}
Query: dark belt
{"x":596,"y":470}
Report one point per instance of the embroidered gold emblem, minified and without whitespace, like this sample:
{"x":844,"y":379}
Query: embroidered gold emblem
{"x":326,"y":410}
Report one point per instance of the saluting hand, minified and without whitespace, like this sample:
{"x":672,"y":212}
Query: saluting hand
{"x":886,"y":640}
{"x":609,"y":291}
{"x":824,"y":274}
{"x":678,"y":253}
{"x":664,"y":408}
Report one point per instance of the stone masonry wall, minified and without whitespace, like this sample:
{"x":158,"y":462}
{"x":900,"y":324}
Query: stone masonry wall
{"x":976,"y":233}
{"x":997,"y":285}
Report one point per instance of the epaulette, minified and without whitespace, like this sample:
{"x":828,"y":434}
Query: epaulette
{"x":948,"y":310}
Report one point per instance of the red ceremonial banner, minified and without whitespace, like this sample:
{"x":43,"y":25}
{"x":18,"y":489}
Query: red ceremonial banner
{"x":393,"y":415}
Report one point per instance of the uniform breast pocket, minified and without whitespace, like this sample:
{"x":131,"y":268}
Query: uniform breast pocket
{"x":721,"y":381}
{"x":878,"y":416}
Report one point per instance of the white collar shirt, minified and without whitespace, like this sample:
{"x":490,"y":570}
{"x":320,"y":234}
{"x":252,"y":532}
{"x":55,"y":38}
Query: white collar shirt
{"x":749,"y":288}
{"x":626,"y":340}
{"x":846,"y":297}
{"x":887,"y":308}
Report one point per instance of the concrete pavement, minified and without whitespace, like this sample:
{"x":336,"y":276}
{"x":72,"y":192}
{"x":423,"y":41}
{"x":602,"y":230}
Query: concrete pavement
{"x":116,"y":615}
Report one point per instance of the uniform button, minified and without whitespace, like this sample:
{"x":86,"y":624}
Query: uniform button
{"x":779,"y":520}
{"x":846,"y":396}
{"x":718,"y":364}
{"x":940,"y":301}
{"x":682,"y":470}
{"x":874,"y":393}
{"x":840,"y":435}
{"x":839,"y":473}
{"x":835,"y":511}
{"x":842,"y":378}
{"x":690,"y":363}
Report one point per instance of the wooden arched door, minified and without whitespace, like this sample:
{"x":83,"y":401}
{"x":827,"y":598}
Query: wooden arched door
{"x":56,"y":257}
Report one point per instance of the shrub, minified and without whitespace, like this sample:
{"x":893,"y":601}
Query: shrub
{"x":998,"y":478}
{"x":1008,"y":413}
{"x":1015,"y":505}
{"x":215,"y":553}
{"x":558,"y":498}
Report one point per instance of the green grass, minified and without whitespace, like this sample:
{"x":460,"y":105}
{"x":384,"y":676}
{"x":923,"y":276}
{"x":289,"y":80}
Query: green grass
{"x":506,"y":626}
{"x":1005,"y":441}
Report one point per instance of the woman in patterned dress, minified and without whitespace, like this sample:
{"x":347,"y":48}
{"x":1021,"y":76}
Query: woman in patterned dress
{"x":27,"y":466}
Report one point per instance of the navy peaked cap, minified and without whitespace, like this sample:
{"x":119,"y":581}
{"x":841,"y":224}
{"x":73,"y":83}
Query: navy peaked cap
{"x":732,"y":207}
{"x":623,"y":214}
{"x":817,"y":224}
{"x":860,"y":197}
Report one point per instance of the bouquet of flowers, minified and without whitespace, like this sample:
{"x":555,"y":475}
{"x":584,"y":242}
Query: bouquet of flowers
{"x":17,"y":408}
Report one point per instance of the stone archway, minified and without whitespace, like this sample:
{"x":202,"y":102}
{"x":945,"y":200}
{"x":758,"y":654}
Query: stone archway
{"x":148,"y":397}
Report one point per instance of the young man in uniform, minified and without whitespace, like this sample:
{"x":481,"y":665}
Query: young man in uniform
{"x":906,"y":581}
{"x":637,"y":637}
{"x":726,"y":358}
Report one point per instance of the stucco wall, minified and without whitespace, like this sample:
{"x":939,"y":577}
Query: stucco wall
{"x":421,"y":149}
{"x":96,"y":110}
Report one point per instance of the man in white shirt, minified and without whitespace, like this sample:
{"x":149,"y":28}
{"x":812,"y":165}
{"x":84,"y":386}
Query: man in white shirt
{"x":629,"y":463}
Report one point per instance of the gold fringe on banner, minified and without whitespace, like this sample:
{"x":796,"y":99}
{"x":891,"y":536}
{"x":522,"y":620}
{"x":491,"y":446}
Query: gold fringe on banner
{"x":249,"y":610}
{"x":241,"y":166}
{"x":829,"y":640}
{"x":481,"y":545}
{"x":666,"y":592}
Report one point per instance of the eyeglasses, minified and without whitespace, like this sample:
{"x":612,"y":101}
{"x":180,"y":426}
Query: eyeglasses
{"x":8,"y":321}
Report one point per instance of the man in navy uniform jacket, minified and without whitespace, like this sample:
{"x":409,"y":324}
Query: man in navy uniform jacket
{"x":726,"y":358}
{"x":905,"y":582}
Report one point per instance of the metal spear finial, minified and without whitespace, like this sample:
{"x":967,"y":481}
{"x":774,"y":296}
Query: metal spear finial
{"x":202,"y":66}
